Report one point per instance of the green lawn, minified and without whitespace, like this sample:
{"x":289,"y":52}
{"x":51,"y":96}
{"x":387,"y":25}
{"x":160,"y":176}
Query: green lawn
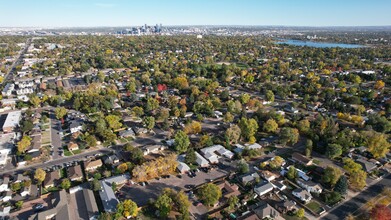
{"x":67,"y":153}
{"x":76,"y":152}
{"x":314,"y":206}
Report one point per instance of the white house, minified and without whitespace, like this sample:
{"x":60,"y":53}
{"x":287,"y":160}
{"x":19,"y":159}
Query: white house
{"x":4,"y":184}
{"x":263,"y":188}
{"x":25,"y":191}
{"x":201,"y":161}
{"x":7,"y":196}
{"x":75,"y":126}
{"x":302,"y":194}
{"x":212,"y":153}
{"x":310,"y":186}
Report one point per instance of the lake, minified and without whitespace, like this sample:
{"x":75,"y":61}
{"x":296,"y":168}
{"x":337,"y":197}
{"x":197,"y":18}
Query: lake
{"x":318,"y":44}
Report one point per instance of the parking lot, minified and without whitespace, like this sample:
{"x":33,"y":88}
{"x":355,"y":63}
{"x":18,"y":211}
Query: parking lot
{"x":141,"y":194}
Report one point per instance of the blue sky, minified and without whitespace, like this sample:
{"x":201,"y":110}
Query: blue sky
{"x":81,"y":13}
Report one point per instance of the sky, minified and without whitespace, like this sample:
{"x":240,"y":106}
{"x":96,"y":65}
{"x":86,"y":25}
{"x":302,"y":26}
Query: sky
{"x":94,"y":13}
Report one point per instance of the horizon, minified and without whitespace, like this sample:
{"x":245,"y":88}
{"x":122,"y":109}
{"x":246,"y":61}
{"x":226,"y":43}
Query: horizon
{"x":118,"y":13}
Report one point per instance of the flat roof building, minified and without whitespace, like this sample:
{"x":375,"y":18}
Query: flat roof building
{"x":12,"y":121}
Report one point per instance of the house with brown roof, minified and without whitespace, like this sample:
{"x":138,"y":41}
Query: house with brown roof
{"x":72,"y":146}
{"x":51,"y":179}
{"x":228,"y":189}
{"x":92,"y":165}
{"x":75,"y":173}
{"x":299,"y":158}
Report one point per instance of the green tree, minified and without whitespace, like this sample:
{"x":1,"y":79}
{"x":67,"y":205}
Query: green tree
{"x":228,"y":117}
{"x":333,"y":151}
{"x":152,"y":104}
{"x":122,"y":168}
{"x":209,"y":194}
{"x":65,"y":184}
{"x":300,"y":213}
{"x":127,"y":209}
{"x":269,"y":96}
{"x":270,"y":126}
{"x":331,"y":175}
{"x":248,"y":127}
{"x":350,"y":166}
{"x":304,"y":126}
{"x":233,"y":201}
{"x":91,"y":141}
{"x":60,"y":112}
{"x":137,"y":111}
{"x":242,"y":167}
{"x":292,"y":173}
{"x":39,"y":175}
{"x":233,"y":134}
{"x":35,"y":101}
{"x":377,"y":143}
{"x":308,"y":147}
{"x":163,"y":204}
{"x":23,"y":144}
{"x":276,"y":163}
{"x":149,"y":122}
{"x":113,"y":121}
{"x":289,"y":135}
{"x":182,"y":142}
{"x":18,"y":204}
{"x":358,"y":179}
{"x":342,"y":185}
{"x":26,"y":126}
{"x":95,"y":185}
{"x":190,"y":156}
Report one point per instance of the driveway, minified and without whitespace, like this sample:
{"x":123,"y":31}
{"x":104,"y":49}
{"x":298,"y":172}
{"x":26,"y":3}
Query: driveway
{"x":55,"y":128}
{"x":26,"y":211}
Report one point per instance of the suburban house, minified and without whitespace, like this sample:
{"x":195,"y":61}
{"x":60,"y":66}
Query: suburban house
{"x":7,"y":196}
{"x":263,"y":188}
{"x":301,"y":173}
{"x":299,"y":158}
{"x":153,"y":149}
{"x":302,"y":194}
{"x":286,"y":206}
{"x":4,"y":184}
{"x":228,"y":189}
{"x":182,"y":168}
{"x":111,"y":160}
{"x":107,"y":195}
{"x":72,"y":146}
{"x":366,"y":165}
{"x":239,"y":148}
{"x":212,"y":153}
{"x":90,"y":202}
{"x":310,"y":186}
{"x":59,"y":210}
{"x":12,"y":121}
{"x":269,"y":176}
{"x":75,"y":126}
{"x":75,"y":173}
{"x":201,"y":161}
{"x":51,"y":178}
{"x":249,"y":178}
{"x":127,"y":133}
{"x":261,"y":210}
{"x":5,"y":210}
{"x":26,"y":190}
{"x":92,"y":165}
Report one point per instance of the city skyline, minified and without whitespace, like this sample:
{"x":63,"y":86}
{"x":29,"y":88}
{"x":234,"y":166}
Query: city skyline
{"x":103,"y":13}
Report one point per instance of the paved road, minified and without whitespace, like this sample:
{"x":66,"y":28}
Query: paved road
{"x":58,"y":161}
{"x":8,"y":76}
{"x":355,"y":203}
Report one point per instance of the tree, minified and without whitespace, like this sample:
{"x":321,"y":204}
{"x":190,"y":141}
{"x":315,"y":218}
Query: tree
{"x":289,"y":135}
{"x":242,"y":167}
{"x":381,"y":212}
{"x":358,"y":179}
{"x":233,"y":134}
{"x":127,"y":209}
{"x":276,"y":163}
{"x":18,"y":204}
{"x":105,"y":216}
{"x":39,"y":175}
{"x":228,"y":117}
{"x":206,"y":140}
{"x":193,"y":128}
{"x":332,"y":197}
{"x":300,"y":213}
{"x":163,"y":204}
{"x":190,"y":156}
{"x":149,"y":122}
{"x":113,"y":121}
{"x":35,"y":101}
{"x":350,"y":166}
{"x":152,"y":104}
{"x":23,"y":144}
{"x":308,"y":147}
{"x":95,"y":185}
{"x":377,"y":143}
{"x":333,"y":151}
{"x":233,"y":201}
{"x":270,"y":126}
{"x":60,"y":112}
{"x":26,"y":126}
{"x":122,"y":168}
{"x":91,"y":141}
{"x":269,"y":96}
{"x":137,"y":111}
{"x":248,"y":127}
{"x":304,"y":126}
{"x":210,"y":194}
{"x":65,"y":184}
{"x":342,"y":185}
{"x":379,"y":84}
{"x":292,"y":173}
{"x":331,"y":175}
{"x":182,"y":142}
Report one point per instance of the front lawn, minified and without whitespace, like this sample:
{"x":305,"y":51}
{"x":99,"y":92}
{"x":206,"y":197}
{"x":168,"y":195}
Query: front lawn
{"x":314,"y":206}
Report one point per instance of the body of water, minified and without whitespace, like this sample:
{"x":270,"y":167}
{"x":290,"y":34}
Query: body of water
{"x":318,"y":44}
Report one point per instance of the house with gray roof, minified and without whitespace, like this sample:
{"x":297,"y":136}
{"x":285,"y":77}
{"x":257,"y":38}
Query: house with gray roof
{"x":263,"y":188}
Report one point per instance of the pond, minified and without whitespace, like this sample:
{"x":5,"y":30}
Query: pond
{"x":318,"y":44}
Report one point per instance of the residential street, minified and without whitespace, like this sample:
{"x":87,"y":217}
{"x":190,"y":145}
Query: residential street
{"x":355,"y":203}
